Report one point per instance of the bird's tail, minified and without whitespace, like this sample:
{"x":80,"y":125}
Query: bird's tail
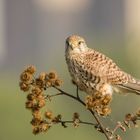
{"x":131,"y":87}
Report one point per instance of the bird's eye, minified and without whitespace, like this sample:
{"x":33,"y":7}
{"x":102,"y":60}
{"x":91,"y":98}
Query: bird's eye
{"x":80,"y":42}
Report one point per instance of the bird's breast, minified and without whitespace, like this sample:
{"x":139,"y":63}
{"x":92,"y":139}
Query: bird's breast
{"x":85,"y":80}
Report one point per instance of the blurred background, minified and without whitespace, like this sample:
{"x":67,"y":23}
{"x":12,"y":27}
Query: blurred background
{"x":33,"y":32}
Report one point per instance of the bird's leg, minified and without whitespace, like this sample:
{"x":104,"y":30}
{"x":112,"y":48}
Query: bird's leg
{"x":77,"y":89}
{"x":77,"y":92}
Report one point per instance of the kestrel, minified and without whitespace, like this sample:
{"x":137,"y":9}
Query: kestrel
{"x":93,"y":72}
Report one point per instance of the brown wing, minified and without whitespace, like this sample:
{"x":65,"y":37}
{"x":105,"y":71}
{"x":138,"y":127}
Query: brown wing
{"x":95,"y":66}
{"x":103,"y":67}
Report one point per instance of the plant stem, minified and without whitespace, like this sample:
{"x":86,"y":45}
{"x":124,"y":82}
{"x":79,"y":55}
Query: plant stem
{"x":80,"y":122}
{"x":92,"y":112}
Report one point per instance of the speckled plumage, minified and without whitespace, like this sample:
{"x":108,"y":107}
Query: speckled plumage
{"x":93,"y":71}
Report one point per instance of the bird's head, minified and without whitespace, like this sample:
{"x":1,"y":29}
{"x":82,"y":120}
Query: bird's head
{"x":75,"y":44}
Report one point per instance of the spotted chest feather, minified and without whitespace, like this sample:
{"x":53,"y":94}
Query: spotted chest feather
{"x":85,"y":80}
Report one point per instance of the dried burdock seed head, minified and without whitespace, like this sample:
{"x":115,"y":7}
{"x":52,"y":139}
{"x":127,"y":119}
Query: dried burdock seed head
{"x":89,"y":99}
{"x":37,"y":115}
{"x":96,"y":103}
{"x":92,"y":102}
{"x":89,"y":105}
{"x":48,"y":83}
{"x":42,"y":76}
{"x":30,"y":104}
{"x":25,"y":77}
{"x":24,"y":86}
{"x":106,"y":99}
{"x":48,"y":115}
{"x":131,"y":118}
{"x":35,"y":121}
{"x":41,"y":103}
{"x":31,"y":96}
{"x":106,"y":110}
{"x":36,"y":90}
{"x":36,"y":130}
{"x":52,"y":75}
{"x":76,"y":116}
{"x":128,"y":117}
{"x":36,"y":98}
{"x":40,"y":97}
{"x":99,"y":103}
{"x":57,"y":82}
{"x":76,"y":119}
{"x":98,"y":95}
{"x":44,"y":127}
{"x":40,"y":83}
{"x":30,"y":69}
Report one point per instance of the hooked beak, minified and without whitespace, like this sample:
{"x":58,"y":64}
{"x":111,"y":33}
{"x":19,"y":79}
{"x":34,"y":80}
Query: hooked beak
{"x":69,"y":45}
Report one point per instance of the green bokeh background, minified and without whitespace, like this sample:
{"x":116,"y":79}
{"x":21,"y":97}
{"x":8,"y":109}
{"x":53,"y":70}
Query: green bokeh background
{"x":15,"y":119}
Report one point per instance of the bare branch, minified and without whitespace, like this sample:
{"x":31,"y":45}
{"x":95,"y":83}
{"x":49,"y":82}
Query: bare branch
{"x":71,"y":122}
{"x":91,"y":111}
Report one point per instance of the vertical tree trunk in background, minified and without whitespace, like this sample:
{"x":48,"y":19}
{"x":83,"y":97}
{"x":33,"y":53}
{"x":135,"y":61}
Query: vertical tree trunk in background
{"x":132,"y":33}
{"x":132,"y":17}
{"x":19,"y":33}
{"x":2,"y":32}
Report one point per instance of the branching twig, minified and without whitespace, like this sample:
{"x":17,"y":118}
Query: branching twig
{"x":55,"y":95}
{"x":71,"y":122}
{"x":92,"y":112}
{"x":97,"y":104}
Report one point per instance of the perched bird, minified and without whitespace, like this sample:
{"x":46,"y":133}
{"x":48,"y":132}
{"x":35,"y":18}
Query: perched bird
{"x":93,"y":72}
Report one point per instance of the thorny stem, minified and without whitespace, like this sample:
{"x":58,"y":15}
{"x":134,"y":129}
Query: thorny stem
{"x":92,"y":112}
